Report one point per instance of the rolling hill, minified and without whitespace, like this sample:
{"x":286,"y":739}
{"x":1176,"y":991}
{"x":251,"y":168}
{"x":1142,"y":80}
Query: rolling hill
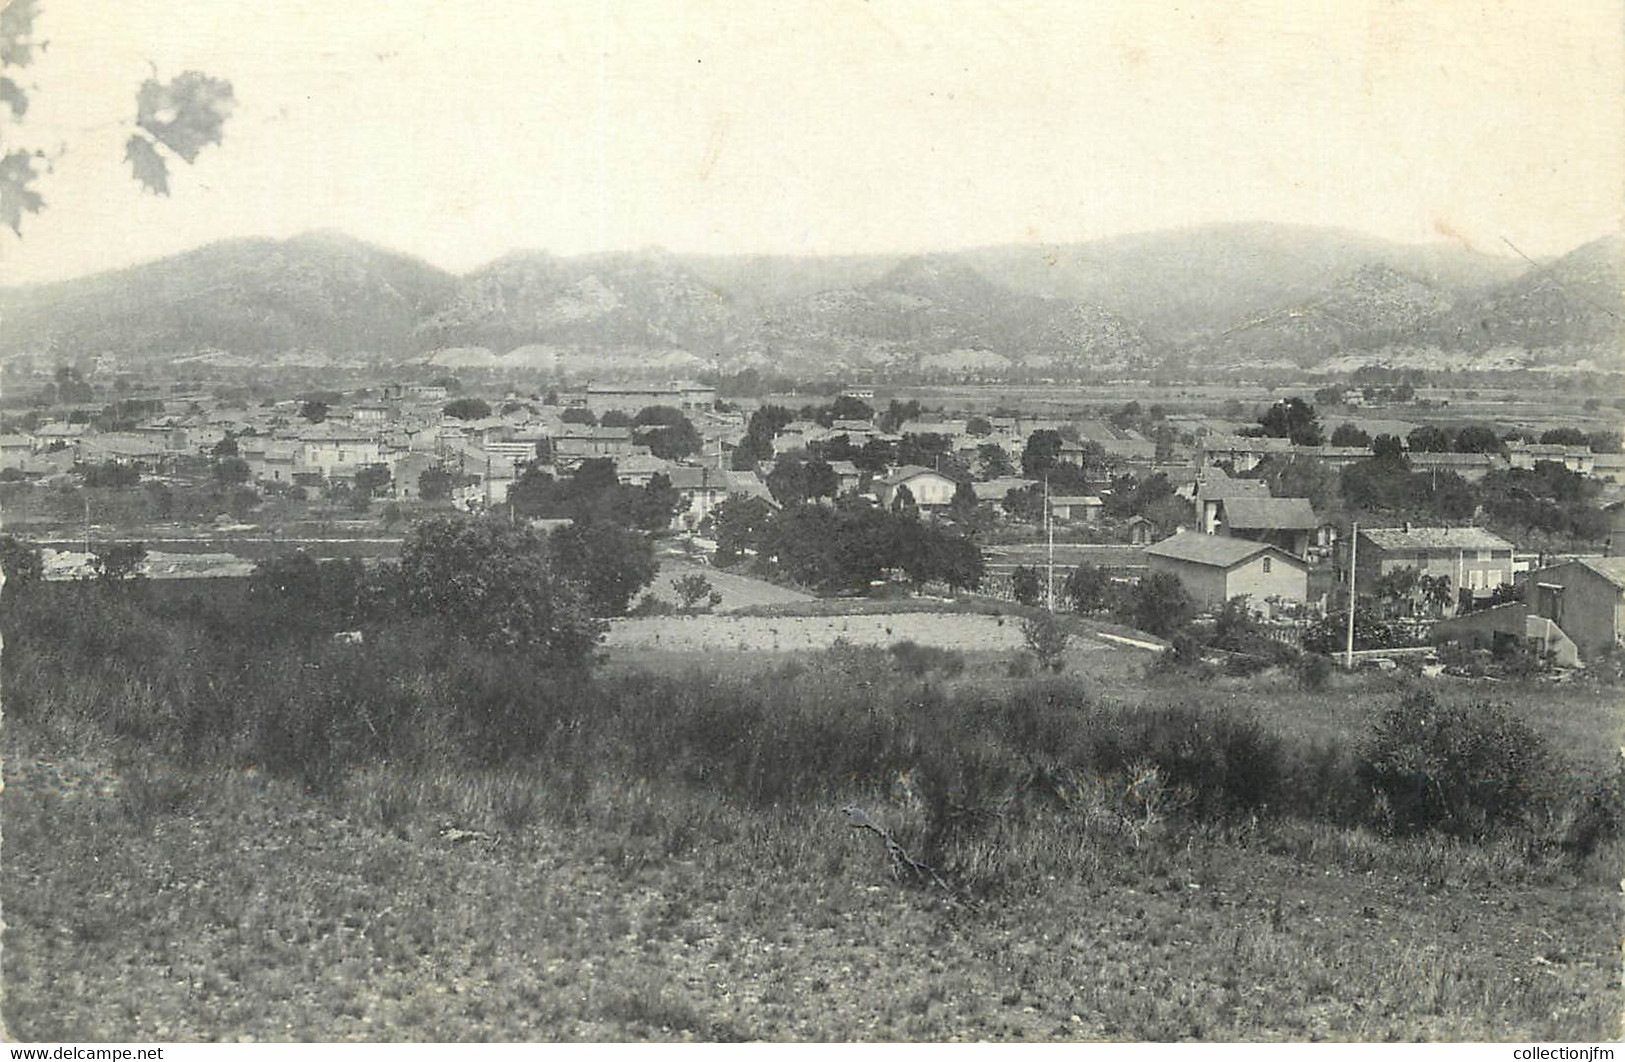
{"x":1223,"y":295}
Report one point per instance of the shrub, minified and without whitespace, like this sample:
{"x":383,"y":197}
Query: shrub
{"x":1464,"y":771}
{"x":1046,"y":639}
{"x":918,"y":660}
{"x":651,"y":605}
{"x":1314,"y":671}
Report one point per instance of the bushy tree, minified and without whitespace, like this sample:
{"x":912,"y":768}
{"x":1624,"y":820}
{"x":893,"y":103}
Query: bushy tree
{"x":1025,"y":504}
{"x":1046,"y":639}
{"x":740,"y":524}
{"x":579,"y":415}
{"x":434,"y":483}
{"x":119,"y":563}
{"x":666,"y":432}
{"x":1042,"y":453}
{"x":1349,"y":435}
{"x":799,"y":477}
{"x":757,"y":445}
{"x":1429,"y":439}
{"x":1086,"y":587}
{"x":846,"y":407}
{"x":231,"y":471}
{"x":1565,"y":437}
{"x":1476,"y":439}
{"x":995,"y":463}
{"x":1293,"y":419}
{"x":1025,"y":585}
{"x":1160,"y":604}
{"x":498,"y":585}
{"x":1462,"y":770}
{"x":371,"y":479}
{"x":694,"y":589}
{"x":611,"y":563}
{"x":467,"y":409}
{"x":114,"y":474}
{"x":20,"y":563}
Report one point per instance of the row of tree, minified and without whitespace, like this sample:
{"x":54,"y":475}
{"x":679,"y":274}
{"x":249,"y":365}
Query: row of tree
{"x":847,"y":547}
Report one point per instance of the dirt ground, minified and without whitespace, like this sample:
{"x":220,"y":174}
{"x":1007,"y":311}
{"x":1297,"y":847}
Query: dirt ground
{"x":788,"y":633}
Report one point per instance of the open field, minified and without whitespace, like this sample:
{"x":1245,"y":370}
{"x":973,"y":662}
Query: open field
{"x":738,"y":591}
{"x":220,"y":829}
{"x":755,"y":633}
{"x":243,"y":909}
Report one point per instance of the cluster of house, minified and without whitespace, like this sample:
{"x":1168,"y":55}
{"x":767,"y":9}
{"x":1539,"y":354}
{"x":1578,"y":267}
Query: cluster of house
{"x":1242,"y":453}
{"x":1250,"y":544}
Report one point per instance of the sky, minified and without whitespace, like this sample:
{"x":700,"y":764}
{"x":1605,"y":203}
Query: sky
{"x":460,"y":130}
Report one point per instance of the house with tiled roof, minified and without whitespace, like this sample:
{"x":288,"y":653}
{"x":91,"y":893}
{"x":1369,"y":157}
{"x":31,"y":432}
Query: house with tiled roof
{"x":1471,"y":466}
{"x":703,"y":489}
{"x":1471,"y":558}
{"x":929,"y":487}
{"x":1572,"y":458}
{"x":996,"y":490}
{"x":1289,"y":523}
{"x":1213,"y":569}
{"x":1242,"y":453}
{"x":1211,"y":486}
{"x":1585,"y":597}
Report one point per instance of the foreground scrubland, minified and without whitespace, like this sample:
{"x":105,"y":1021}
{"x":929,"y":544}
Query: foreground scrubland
{"x":221,"y":824}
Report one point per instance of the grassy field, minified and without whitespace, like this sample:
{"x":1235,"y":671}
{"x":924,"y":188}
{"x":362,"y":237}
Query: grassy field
{"x":738,"y":591}
{"x":207,"y":839}
{"x":238,"y":907}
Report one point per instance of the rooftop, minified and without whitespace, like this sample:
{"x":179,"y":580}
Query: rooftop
{"x":1399,"y":538}
{"x":1610,"y":568}
{"x":1272,"y":514}
{"x":1217,"y":550}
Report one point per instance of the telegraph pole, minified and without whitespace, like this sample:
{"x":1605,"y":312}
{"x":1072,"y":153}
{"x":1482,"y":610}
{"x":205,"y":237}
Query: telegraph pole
{"x":1354,"y":545}
{"x":1049,"y":528}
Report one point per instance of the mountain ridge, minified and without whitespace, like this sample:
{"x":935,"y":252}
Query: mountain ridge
{"x":1225,"y":295}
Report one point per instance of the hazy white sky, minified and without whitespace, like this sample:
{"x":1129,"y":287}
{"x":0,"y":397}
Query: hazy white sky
{"x":460,"y":129}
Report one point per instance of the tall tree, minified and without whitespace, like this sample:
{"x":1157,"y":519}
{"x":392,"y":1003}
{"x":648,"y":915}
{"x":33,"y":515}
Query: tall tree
{"x":1042,"y":452}
{"x":1294,"y":419}
{"x":498,"y":585}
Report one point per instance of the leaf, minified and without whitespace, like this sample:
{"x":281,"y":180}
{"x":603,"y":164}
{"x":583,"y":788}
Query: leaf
{"x":148,"y":166}
{"x":16,"y":198}
{"x":17,"y":42}
{"x":187,"y":114}
{"x":13,"y":96}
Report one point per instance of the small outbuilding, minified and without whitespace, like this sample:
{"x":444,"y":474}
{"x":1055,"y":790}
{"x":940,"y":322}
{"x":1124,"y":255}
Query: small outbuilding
{"x":1213,"y":568}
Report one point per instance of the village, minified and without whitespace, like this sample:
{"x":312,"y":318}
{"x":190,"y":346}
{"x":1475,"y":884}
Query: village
{"x":1232,"y":510}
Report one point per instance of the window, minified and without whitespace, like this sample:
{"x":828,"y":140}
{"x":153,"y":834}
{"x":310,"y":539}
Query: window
{"x":1267,"y":565}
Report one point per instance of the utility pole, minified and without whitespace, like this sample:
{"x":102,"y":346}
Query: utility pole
{"x":87,"y":526}
{"x":1049,"y":529}
{"x":1354,"y":545}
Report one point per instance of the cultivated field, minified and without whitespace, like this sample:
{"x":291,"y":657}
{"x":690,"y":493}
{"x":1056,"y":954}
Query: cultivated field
{"x":701,"y":634}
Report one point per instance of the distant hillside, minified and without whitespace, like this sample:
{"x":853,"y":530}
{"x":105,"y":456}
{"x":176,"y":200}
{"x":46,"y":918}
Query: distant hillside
{"x":1577,"y":300}
{"x":258,"y":298}
{"x":1189,"y":282}
{"x":1232,"y":295}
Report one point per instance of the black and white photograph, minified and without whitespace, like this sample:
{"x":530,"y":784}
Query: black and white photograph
{"x":804,"y":521}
